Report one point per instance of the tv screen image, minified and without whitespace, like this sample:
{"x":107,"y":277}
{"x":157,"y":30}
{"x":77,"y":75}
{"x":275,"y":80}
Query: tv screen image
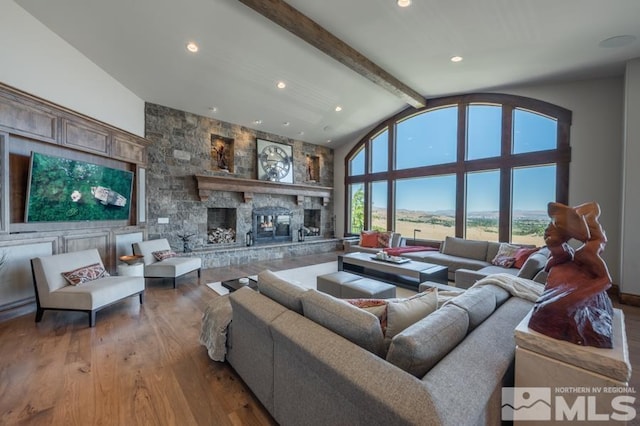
{"x":65,"y":190}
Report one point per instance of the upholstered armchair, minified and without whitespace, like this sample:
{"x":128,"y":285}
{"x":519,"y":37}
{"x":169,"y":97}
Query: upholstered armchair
{"x":87,"y":287}
{"x":161,"y":262}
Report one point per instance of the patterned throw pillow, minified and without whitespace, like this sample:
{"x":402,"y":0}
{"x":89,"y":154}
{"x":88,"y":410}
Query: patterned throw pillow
{"x":369,"y":239}
{"x":163,"y":254}
{"x":85,"y":274}
{"x":377,"y":307}
{"x":506,"y":255}
{"x":384,"y":239}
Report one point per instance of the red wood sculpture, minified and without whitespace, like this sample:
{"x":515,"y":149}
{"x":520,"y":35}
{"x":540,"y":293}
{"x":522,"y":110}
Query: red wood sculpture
{"x":574,"y":305}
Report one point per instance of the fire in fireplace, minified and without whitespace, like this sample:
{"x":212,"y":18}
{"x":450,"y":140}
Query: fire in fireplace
{"x":271,"y":224}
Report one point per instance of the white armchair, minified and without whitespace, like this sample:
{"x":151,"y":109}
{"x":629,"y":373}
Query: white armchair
{"x":172,"y":267}
{"x":54,"y":292}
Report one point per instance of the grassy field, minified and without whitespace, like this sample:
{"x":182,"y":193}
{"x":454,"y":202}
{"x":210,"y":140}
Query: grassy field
{"x":438,"y":227}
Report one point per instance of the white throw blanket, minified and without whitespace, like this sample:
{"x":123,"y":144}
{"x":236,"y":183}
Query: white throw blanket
{"x":519,"y":287}
{"x":213,"y":333}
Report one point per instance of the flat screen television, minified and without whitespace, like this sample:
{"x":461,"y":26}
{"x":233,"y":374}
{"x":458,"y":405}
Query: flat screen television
{"x":65,"y":190}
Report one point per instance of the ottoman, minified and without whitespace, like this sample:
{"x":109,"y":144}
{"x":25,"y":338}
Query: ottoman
{"x":366,"y":288}
{"x":332,"y":283}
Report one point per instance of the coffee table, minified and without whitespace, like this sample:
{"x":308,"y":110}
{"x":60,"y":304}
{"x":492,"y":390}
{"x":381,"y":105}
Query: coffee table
{"x":233,"y":285}
{"x":410,"y":273}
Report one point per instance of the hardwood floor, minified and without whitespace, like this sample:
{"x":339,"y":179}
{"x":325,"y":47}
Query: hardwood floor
{"x":143,"y":365}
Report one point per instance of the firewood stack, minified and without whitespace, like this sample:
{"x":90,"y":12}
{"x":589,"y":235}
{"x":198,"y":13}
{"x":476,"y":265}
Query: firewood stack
{"x":221,"y":236}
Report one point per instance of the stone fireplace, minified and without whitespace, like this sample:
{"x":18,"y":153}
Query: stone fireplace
{"x":221,"y":225}
{"x":271,"y":224}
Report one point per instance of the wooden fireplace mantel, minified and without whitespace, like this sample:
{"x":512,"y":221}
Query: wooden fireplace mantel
{"x":248,"y":187}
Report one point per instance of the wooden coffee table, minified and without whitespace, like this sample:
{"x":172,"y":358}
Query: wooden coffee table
{"x":233,"y":285}
{"x":410,"y":273}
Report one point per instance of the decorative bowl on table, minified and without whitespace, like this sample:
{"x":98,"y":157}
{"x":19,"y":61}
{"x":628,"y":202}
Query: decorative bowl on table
{"x":131,"y":259}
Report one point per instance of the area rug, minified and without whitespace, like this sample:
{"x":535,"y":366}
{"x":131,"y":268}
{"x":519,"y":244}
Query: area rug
{"x":305,"y":276}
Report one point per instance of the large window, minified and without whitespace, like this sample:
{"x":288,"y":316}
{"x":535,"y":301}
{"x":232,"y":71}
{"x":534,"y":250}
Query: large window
{"x":480,"y":166}
{"x":426,"y":205}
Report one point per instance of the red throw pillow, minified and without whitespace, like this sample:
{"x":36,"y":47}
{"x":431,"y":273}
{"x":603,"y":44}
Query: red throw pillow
{"x":369,"y":239}
{"x":522,"y":255}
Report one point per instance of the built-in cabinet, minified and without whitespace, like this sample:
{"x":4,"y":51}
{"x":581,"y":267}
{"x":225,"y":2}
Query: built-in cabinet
{"x":27,"y":124}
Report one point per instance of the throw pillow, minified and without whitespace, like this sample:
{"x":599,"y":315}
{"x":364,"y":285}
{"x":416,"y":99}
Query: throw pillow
{"x":384,"y":239}
{"x":369,"y":239}
{"x":506,"y":255}
{"x":401,"y":313}
{"x":377,"y":307}
{"x":85,"y":274}
{"x":163,"y":254}
{"x":522,"y":254}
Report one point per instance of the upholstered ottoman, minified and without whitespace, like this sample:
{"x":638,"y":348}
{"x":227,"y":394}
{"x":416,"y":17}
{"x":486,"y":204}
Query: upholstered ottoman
{"x":366,"y":288}
{"x":332,"y":283}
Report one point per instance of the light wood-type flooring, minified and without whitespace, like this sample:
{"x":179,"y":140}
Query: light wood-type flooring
{"x":143,"y":365}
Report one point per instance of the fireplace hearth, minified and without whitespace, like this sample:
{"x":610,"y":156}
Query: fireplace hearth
{"x":271,"y":224}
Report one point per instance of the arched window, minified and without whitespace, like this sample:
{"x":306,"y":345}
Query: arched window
{"x":480,"y":166}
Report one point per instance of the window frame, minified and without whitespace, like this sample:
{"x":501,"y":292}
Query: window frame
{"x":561,"y":156}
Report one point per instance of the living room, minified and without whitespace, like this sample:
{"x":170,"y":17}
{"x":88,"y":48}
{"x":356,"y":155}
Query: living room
{"x":603,"y":139}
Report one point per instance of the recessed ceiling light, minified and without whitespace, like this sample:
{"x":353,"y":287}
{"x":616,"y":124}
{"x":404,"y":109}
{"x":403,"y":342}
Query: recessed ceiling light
{"x":338,"y":108}
{"x":213,"y":109}
{"x":328,"y":140}
{"x":192,"y":47}
{"x":281,"y":85}
{"x":404,"y":3}
{"x":257,"y":122}
{"x":286,"y":124}
{"x":456,"y":58}
{"x":618,"y":41}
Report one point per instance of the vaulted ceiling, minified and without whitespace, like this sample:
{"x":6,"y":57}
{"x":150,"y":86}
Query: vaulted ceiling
{"x":243,"y":55}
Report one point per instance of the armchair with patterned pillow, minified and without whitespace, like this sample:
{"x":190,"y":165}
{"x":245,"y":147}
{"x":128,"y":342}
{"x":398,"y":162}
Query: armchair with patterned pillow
{"x":78,"y":281}
{"x":162,"y":262}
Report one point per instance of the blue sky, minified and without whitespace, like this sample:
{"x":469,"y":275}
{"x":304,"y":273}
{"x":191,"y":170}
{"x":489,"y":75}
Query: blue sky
{"x":534,"y":187}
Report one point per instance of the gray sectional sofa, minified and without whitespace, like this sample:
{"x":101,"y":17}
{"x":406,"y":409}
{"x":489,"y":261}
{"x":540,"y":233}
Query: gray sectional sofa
{"x":316,"y":360}
{"x":470,"y":260}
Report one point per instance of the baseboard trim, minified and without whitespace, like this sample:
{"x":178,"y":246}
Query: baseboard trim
{"x":629,"y":299}
{"x":17,"y":309}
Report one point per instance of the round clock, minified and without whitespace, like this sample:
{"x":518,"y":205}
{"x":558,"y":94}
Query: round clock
{"x":275,"y":162}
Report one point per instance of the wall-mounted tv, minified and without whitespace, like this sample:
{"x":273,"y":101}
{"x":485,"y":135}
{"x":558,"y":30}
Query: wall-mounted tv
{"x":65,"y":190}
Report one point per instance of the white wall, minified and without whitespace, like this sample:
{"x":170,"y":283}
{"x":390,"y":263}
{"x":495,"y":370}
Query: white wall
{"x":37,"y":61}
{"x":596,"y":142}
{"x":630,"y":267}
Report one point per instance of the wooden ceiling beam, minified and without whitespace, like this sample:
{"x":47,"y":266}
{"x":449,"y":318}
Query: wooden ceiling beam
{"x":311,"y":32}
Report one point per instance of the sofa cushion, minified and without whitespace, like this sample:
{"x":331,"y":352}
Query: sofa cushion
{"x":420,"y":346}
{"x":465,"y":248}
{"x":500,"y":293}
{"x":401,"y":313}
{"x":396,"y":239}
{"x":533,"y":265}
{"x":354,"y":324}
{"x":479,"y":303}
{"x":282,"y":291}
{"x":85,"y":274}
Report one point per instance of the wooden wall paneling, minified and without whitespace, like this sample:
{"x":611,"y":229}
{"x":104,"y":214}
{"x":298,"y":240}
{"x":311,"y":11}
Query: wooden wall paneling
{"x":4,"y":183}
{"x":126,"y":149}
{"x":141,"y":195}
{"x":100,"y":240}
{"x":23,"y":117}
{"x":16,"y":281}
{"x":85,"y":137}
{"x":18,"y":182}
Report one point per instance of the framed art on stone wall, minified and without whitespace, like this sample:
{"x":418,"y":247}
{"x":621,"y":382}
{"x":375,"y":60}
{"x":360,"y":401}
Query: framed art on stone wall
{"x":275,"y":161}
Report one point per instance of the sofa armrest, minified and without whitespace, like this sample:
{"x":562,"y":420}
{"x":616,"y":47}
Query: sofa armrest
{"x":465,"y":278}
{"x":316,"y":369}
